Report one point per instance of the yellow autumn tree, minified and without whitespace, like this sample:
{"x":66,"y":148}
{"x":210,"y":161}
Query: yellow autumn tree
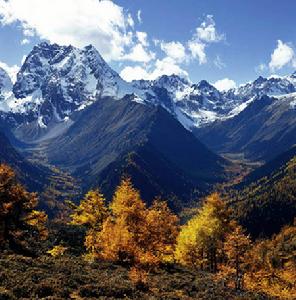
{"x":123,"y":233}
{"x":91,"y":213}
{"x":201,"y":239}
{"x":20,"y":223}
{"x":162,"y":231}
{"x":136,"y":234}
{"x":236,"y":244}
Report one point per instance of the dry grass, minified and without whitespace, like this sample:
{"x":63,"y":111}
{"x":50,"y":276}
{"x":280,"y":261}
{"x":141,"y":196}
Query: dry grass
{"x":70,"y":277}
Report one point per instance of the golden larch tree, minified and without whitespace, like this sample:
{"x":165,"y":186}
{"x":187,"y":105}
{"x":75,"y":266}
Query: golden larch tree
{"x":123,"y":233}
{"x":91,"y":213}
{"x":236,"y":244}
{"x":136,"y":234}
{"x":162,"y":231}
{"x":20,"y":224}
{"x":202,"y":237}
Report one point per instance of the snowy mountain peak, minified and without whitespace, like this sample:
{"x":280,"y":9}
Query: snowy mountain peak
{"x":54,"y":81}
{"x":172,"y":80}
{"x":65,"y":65}
{"x":260,"y":80}
{"x":272,"y":86}
{"x":204,"y":85}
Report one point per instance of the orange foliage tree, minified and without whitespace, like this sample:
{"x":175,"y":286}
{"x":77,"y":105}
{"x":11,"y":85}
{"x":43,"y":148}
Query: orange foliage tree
{"x":272,"y":265}
{"x":235,"y":247}
{"x":134,"y":233}
{"x":20,"y":223}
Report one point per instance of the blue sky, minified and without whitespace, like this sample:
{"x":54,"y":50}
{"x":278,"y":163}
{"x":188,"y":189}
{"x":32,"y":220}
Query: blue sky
{"x":230,"y":40}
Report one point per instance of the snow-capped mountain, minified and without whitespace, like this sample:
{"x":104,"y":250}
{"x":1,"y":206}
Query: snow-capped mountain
{"x":272,"y":86}
{"x":192,"y":104}
{"x":56,"y":81}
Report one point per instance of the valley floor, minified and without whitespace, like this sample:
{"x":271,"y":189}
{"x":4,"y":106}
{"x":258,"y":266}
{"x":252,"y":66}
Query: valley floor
{"x":71,"y":277}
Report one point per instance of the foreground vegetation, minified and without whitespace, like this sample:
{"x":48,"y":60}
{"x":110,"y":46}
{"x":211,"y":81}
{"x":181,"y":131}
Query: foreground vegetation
{"x":71,"y":277}
{"x":128,"y":250}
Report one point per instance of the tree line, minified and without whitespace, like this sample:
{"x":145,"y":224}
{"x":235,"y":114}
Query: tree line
{"x":143,"y":238}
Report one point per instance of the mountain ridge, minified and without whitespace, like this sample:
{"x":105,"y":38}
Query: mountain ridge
{"x":56,"y":81}
{"x":261,"y":132}
{"x":112,"y":137}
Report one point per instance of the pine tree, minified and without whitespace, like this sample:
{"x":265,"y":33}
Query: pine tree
{"x":20,"y":224}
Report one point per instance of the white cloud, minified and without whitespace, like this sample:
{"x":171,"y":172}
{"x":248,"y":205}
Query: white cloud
{"x":174,"y":50}
{"x":28,"y":31}
{"x":166,"y":66}
{"x":134,"y":73}
{"x":224,"y":84}
{"x":111,"y":29}
{"x":139,"y":16}
{"x":11,"y":70}
{"x":176,"y":54}
{"x":156,"y":42}
{"x":197,"y":50}
{"x":219,"y":63}
{"x":205,"y":34}
{"x":130,"y":20}
{"x":261,"y":68}
{"x":142,"y":37}
{"x":282,"y":55}
{"x":81,"y":22}
{"x":169,"y":65}
{"x":207,"y":31}
{"x":25,"y":41}
{"x":139,"y":54}
{"x":274,"y":76}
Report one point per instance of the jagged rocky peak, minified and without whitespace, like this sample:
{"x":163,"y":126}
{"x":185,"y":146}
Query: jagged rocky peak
{"x":171,"y":81}
{"x":259,"y":80}
{"x":204,"y":85}
{"x":272,"y":86}
{"x":204,"y":90}
{"x":56,"y":80}
{"x":142,"y":84}
{"x":67,"y":66}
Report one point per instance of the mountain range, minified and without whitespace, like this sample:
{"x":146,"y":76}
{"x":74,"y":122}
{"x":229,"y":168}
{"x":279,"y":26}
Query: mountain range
{"x":70,"y":106}
{"x":264,"y":129}
{"x":56,"y":81}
